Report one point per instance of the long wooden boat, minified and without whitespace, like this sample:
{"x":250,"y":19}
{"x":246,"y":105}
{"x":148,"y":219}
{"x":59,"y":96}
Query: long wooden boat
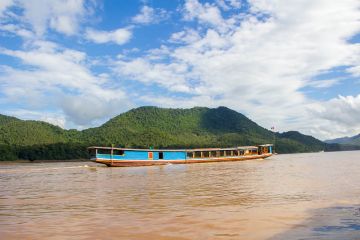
{"x":126,"y":157}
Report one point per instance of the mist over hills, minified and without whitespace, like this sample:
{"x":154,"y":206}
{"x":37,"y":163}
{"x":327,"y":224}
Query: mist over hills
{"x":144,"y":127}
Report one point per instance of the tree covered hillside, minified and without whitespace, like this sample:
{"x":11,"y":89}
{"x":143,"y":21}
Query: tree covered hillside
{"x":144,"y":127}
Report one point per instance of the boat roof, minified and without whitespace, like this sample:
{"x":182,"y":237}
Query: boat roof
{"x":179,"y":150}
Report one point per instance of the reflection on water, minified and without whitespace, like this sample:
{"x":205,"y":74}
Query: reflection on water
{"x":306,"y":196}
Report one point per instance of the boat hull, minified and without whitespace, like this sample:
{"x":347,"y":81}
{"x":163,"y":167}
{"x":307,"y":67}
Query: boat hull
{"x":133,"y":163}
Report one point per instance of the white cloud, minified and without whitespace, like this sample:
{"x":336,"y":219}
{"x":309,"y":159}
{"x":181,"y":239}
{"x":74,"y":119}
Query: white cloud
{"x":205,"y":13}
{"x":59,"y":78}
{"x":229,"y":4}
{"x":15,"y":29}
{"x":355,"y":69}
{"x":119,"y":36}
{"x":4,"y":4}
{"x":186,"y":36}
{"x":336,"y":117}
{"x":171,"y":76}
{"x":344,"y":110}
{"x":324,"y":83}
{"x":149,"y":15}
{"x":34,"y":19}
{"x":61,"y":16}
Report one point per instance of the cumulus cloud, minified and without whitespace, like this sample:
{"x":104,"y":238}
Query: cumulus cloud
{"x":186,"y":36}
{"x":343,"y":110}
{"x":4,"y":5}
{"x":57,"y":15}
{"x":149,"y":15}
{"x":59,"y":78}
{"x":229,"y":4}
{"x":171,"y":76}
{"x":119,"y":36}
{"x":206,"y":13}
{"x":336,"y":117}
{"x":19,"y":31}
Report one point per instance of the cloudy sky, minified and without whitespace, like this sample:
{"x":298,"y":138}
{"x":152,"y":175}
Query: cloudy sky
{"x":292,"y":64}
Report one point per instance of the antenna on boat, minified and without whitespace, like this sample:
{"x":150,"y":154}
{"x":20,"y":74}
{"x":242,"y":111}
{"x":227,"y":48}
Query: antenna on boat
{"x":273,"y":130}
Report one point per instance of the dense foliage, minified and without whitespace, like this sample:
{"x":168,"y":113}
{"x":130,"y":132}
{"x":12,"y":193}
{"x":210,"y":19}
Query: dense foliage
{"x":330,"y":147}
{"x":145,"y":127}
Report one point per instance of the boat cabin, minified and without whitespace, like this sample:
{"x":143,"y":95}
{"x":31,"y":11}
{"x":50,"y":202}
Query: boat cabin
{"x":266,"y":148}
{"x":138,"y":154}
{"x":110,"y":153}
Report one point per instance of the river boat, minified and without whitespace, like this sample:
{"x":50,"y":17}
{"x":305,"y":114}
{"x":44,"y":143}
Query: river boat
{"x":126,"y":157}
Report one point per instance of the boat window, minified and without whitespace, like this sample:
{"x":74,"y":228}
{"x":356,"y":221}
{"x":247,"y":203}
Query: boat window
{"x":197,"y":154}
{"x":241,"y":152}
{"x":228,"y":153}
{"x":190,"y":154}
{"x":206,"y":154}
{"x":104,"y":151}
{"x":118,"y":152}
{"x":222,"y":153}
{"x":213,"y":154}
{"x":217,"y":153}
{"x":161,"y":155}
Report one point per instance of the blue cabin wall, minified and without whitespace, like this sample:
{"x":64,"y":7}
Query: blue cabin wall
{"x":174,"y":155}
{"x":270,"y":149}
{"x":128,"y":155}
{"x":143,"y":155}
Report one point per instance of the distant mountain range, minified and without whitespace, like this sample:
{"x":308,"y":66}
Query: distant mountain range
{"x":343,"y":144}
{"x":146,"y":127}
{"x":355,"y":140}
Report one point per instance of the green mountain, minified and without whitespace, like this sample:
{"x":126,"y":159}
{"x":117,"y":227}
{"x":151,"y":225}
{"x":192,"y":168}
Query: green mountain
{"x":196,"y":127}
{"x":19,"y":132}
{"x":144,"y":127}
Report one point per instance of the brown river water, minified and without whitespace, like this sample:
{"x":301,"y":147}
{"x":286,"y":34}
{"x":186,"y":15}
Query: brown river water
{"x":295,"y":196}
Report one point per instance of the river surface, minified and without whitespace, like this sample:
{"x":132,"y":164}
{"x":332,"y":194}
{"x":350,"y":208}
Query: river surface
{"x":295,"y":196}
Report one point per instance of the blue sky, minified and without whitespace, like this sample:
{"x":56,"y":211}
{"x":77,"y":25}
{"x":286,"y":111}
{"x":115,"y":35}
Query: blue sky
{"x":294,"y":65}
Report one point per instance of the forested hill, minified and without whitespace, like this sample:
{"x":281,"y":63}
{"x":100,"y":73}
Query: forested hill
{"x":354,"y":140}
{"x":344,"y":144}
{"x":145,"y":127}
